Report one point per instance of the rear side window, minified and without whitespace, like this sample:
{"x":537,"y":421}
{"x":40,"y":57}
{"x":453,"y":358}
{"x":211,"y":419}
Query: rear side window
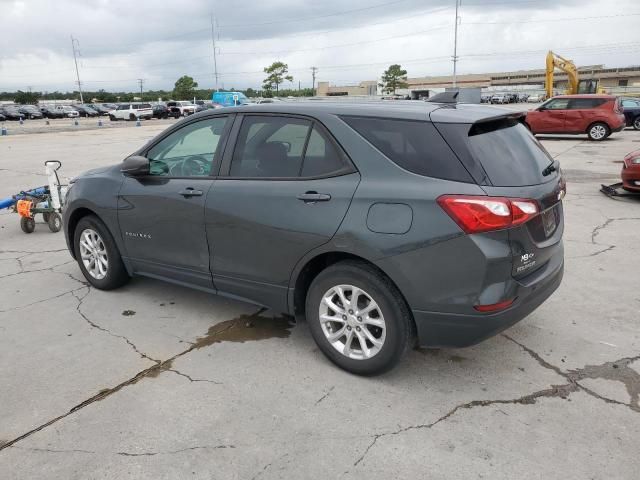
{"x":582,"y":103}
{"x":415,"y":146}
{"x":507,"y":151}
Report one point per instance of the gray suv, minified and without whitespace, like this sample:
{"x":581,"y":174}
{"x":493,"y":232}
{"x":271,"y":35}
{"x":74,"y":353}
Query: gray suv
{"x":381,"y":223}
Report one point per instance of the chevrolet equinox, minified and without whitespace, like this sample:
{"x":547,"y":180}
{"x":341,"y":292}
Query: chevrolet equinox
{"x":380,"y":222}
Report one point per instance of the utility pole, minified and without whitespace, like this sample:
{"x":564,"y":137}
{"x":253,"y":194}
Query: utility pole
{"x":141,"y":82}
{"x":76,"y":46}
{"x":313,"y":76}
{"x":215,"y":58}
{"x":455,"y":44}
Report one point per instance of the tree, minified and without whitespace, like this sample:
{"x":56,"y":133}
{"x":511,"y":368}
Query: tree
{"x":184,"y":88}
{"x":276,"y":75}
{"x":393,"y":78}
{"x":26,"y":97}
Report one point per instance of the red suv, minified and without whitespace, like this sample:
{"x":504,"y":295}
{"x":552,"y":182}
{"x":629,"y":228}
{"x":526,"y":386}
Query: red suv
{"x":596,"y":115}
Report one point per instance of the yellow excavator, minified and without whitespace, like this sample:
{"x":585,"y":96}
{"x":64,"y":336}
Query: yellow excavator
{"x":575,"y":85}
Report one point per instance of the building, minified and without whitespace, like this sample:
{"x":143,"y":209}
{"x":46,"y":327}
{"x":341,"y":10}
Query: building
{"x":363,"y":88}
{"x":619,"y":81}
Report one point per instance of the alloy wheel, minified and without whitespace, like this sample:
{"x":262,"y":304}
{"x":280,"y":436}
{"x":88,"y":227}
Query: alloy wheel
{"x":598,"y":132}
{"x":93,"y":253}
{"x":352,"y":322}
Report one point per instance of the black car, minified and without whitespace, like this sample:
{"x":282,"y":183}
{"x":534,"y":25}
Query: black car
{"x":30,"y":111}
{"x":50,"y":112}
{"x":631,"y":110}
{"x":162,"y":111}
{"x":2,"y":117}
{"x":85,"y":111}
{"x":378,"y":223}
{"x":101,"y":109}
{"x":11,"y":112}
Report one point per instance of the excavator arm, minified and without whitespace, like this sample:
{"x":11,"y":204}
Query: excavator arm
{"x":556,"y":61}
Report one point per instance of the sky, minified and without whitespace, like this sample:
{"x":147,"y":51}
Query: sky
{"x":121,"y":41}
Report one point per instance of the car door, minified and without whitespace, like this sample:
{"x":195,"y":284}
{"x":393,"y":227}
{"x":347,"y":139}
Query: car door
{"x":580,"y":113}
{"x":161,"y":215}
{"x":283,"y":191}
{"x":549,"y":117}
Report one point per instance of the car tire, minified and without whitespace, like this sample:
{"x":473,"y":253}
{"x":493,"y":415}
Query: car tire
{"x":388,"y":322}
{"x":104,"y":268}
{"x":27,"y":224}
{"x":598,"y":131}
{"x":636,"y":123}
{"x":54,"y":221}
{"x":132,"y":117}
{"x":113,"y":118}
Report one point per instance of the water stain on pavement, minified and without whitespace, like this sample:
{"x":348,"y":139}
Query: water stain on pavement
{"x":128,"y":313}
{"x":618,"y":371}
{"x":245,"y":328}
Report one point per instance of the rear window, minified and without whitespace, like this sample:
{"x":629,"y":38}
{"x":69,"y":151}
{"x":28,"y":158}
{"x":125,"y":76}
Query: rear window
{"x":415,"y":146}
{"x":507,"y":151}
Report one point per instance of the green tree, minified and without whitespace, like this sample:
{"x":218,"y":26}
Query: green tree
{"x":276,"y":75}
{"x":26,"y":97}
{"x":393,"y":78}
{"x":184,"y":88}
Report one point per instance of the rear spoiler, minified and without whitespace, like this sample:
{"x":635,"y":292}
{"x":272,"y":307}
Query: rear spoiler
{"x":472,"y":114}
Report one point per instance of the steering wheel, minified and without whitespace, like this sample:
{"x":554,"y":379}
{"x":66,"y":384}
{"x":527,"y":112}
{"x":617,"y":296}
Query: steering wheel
{"x":194,"y":166}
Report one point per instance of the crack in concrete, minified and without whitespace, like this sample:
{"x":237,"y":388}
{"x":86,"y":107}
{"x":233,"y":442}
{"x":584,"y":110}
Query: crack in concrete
{"x":126,"y":454}
{"x":43,"y":300}
{"x":105,"y":330}
{"x":617,"y":371}
{"x":224,"y":331}
{"x":325,"y":395}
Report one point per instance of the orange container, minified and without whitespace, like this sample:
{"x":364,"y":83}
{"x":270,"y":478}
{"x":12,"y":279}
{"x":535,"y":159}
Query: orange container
{"x":24,"y":208}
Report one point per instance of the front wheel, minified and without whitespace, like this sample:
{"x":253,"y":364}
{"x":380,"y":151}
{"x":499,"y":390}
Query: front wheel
{"x":636,"y":123}
{"x":54,"y":221}
{"x":97,"y":254}
{"x":358,"y":318}
{"x":112,"y":118}
{"x":27,"y":224}
{"x":598,"y":131}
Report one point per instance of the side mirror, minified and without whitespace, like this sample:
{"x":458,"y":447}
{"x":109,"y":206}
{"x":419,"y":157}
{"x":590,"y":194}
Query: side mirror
{"x":135,"y":166}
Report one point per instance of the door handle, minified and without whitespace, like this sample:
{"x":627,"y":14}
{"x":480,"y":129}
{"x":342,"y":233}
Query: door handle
{"x":190,"y":192}
{"x":313,"y":197}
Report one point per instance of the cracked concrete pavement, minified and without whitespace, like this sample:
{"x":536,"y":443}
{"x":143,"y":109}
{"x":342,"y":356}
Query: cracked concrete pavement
{"x":156,"y":381}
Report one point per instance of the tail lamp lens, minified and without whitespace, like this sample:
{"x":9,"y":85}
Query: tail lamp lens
{"x":475,"y":214}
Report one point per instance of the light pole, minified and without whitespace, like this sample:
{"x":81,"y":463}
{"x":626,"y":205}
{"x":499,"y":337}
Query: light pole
{"x":455,"y":45}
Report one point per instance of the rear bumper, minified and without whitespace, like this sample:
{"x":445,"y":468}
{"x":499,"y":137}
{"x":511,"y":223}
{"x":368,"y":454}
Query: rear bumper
{"x":463,"y":330}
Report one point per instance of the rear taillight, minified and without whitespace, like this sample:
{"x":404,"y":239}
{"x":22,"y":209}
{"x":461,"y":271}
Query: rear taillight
{"x":477,"y":214}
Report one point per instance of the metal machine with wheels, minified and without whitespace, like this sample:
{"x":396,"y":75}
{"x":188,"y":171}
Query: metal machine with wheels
{"x":46,"y":200}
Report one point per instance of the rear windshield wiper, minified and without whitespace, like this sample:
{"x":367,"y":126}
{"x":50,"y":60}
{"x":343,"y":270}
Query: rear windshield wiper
{"x":549,"y":169}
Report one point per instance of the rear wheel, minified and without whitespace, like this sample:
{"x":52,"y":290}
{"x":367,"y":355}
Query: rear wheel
{"x":132,"y":117}
{"x":358,"y":318}
{"x":112,"y":118}
{"x":55,"y":222}
{"x":97,"y":254}
{"x":636,"y":123}
{"x":598,"y":131}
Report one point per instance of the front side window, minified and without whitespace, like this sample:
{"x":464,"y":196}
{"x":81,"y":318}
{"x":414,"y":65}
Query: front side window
{"x":558,"y":104}
{"x":191,"y":151}
{"x":283,"y":147}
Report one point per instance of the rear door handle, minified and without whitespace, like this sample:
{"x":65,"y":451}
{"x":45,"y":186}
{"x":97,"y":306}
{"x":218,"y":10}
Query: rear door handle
{"x":312,"y":197}
{"x":190,"y":192}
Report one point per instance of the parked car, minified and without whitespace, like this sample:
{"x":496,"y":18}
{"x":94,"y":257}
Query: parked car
{"x":2,"y":117}
{"x":535,"y":98}
{"x":162,"y":111}
{"x":101,"y":109}
{"x":456,"y":247}
{"x":485,"y":98}
{"x":229,"y":99}
{"x":631,"y":111}
{"x":182,"y":107}
{"x":132,"y":111}
{"x":596,"y":115}
{"x":51,"y":112}
{"x":499,"y":98}
{"x":631,"y":172}
{"x":30,"y":111}
{"x":68,"y":111}
{"x":85,"y":111}
{"x":11,"y":112}
{"x":523,"y":97}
